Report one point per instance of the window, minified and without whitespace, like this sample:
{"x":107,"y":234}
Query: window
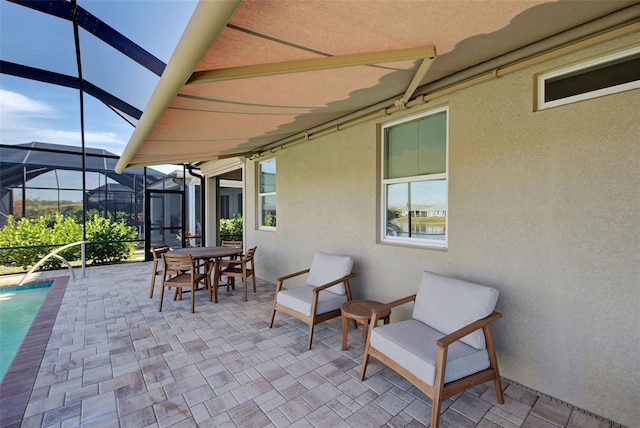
{"x":224,"y":206}
{"x":267,"y":194}
{"x":603,"y":76}
{"x":414,"y":180}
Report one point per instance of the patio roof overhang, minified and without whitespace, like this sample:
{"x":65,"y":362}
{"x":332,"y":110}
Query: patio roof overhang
{"x":248,"y":75}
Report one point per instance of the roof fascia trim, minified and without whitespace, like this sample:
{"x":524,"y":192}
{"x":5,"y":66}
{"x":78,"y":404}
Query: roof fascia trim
{"x":312,"y":64}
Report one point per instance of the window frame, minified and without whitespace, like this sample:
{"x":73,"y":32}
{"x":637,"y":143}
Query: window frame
{"x":384,"y":183}
{"x":541,"y":104}
{"x":262,"y":195}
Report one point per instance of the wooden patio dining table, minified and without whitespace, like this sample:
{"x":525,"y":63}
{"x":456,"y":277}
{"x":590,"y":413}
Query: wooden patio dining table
{"x":213,"y":254}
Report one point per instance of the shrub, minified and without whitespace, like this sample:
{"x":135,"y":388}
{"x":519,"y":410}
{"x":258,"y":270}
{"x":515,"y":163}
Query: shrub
{"x":45,"y":233}
{"x":101,"y":229}
{"x":231,"y":229}
{"x":46,"y":230}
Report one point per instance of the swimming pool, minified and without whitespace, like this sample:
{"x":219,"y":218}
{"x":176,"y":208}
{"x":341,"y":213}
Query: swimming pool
{"x":18,"y":307}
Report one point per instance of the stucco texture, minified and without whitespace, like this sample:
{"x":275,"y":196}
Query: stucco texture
{"x":543,"y":205}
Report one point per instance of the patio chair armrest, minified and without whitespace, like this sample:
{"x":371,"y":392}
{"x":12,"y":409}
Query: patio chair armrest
{"x":291,"y":275}
{"x":395,"y":303}
{"x":470,"y":328}
{"x":375,"y":312}
{"x":282,"y":279}
{"x":332,"y":283}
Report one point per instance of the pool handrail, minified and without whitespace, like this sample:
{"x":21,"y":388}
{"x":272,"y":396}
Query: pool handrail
{"x":55,"y":254}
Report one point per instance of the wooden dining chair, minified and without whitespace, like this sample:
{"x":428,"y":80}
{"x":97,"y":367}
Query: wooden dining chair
{"x":189,"y":276}
{"x":229,"y":261}
{"x":242,"y":267}
{"x":233,"y":244}
{"x":157,"y":252}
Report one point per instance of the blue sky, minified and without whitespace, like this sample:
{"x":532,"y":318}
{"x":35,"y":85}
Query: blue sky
{"x":33,"y":111}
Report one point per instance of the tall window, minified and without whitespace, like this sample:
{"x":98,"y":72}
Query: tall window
{"x":267,"y":194}
{"x":414,"y":180}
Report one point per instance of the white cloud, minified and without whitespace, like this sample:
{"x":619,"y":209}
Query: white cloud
{"x":15,"y":104}
{"x":24,"y":120}
{"x":102,"y":140}
{"x":105,"y":140}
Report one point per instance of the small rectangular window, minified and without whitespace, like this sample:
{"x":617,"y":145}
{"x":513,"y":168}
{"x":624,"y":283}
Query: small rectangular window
{"x":603,"y":76}
{"x":414,"y":180}
{"x":267,"y":194}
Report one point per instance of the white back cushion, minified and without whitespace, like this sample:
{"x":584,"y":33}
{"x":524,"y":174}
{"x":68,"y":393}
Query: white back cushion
{"x":326,"y":268}
{"x":448,"y":304}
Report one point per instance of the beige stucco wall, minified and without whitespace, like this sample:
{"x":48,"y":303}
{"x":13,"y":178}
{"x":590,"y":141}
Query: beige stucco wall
{"x":545,"y":206}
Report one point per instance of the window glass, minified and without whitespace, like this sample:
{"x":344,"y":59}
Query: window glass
{"x":269,"y":211}
{"x":415,"y":180}
{"x":267,"y":193}
{"x":603,"y":76}
{"x":268,"y":176}
{"x":417,"y":147}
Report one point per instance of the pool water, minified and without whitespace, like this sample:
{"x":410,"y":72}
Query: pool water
{"x":18,"y":307}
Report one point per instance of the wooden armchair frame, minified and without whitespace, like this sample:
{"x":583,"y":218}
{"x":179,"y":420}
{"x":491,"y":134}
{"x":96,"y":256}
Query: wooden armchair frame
{"x":312,"y":319}
{"x":441,"y":391}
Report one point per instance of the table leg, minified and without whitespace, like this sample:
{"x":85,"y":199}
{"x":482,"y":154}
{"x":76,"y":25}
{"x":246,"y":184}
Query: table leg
{"x":344,"y":332}
{"x":216,"y":278}
{"x":365,"y":328}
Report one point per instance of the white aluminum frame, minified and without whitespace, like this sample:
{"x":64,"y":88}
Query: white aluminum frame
{"x":427,"y":243}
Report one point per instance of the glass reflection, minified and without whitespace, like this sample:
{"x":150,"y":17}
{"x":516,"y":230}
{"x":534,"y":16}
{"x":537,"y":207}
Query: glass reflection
{"x":417,"y":210}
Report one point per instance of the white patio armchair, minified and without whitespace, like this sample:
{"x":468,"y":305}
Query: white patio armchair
{"x":447,"y":347}
{"x":326,"y":289}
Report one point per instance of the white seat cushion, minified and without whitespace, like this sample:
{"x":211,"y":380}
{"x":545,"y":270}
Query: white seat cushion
{"x":412,"y":345}
{"x":326,"y":268}
{"x":448,"y":304}
{"x":299,"y":299}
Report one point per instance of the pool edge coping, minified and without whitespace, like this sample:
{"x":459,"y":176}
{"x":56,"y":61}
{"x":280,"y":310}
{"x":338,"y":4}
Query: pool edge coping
{"x":17,"y":385}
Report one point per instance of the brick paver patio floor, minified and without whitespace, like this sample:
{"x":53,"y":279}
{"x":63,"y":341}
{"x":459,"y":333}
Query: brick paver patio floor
{"x":113,"y":360}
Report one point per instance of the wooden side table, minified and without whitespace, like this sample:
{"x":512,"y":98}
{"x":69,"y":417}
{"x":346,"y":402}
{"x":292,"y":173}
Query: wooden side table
{"x":360,"y":311}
